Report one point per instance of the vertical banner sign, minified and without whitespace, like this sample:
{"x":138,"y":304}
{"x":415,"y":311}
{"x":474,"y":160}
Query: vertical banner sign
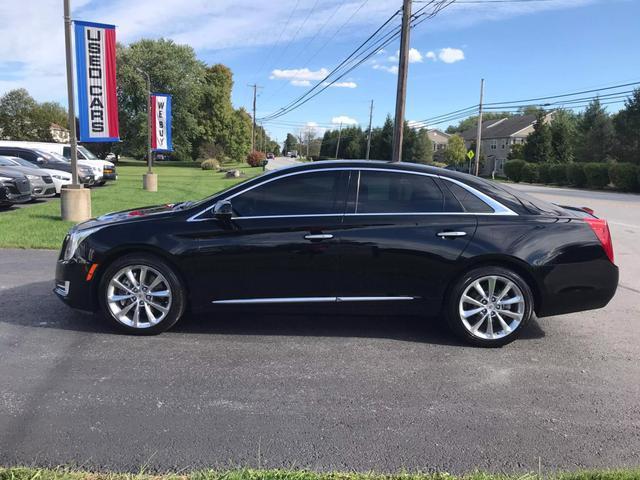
{"x":161,"y":122}
{"x":96,"y":75}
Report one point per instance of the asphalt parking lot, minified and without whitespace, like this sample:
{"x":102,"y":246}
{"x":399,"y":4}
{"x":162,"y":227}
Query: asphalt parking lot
{"x":348,"y":392}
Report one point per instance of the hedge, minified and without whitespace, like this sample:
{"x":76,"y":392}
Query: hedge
{"x":530,"y":172}
{"x":575,"y":174}
{"x":544,"y":173}
{"x":558,"y":173}
{"x":597,"y":174}
{"x":625,"y":176}
{"x":513,"y":170}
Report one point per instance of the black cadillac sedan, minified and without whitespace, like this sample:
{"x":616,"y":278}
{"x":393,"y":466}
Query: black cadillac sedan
{"x":368,"y":234}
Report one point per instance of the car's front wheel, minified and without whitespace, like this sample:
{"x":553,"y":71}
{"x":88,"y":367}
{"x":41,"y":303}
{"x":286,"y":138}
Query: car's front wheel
{"x":489,"y":306}
{"x":141,"y":294}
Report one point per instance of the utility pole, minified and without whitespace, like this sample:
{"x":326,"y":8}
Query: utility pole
{"x":253,"y":129}
{"x":401,"y":93}
{"x":338,"y":144}
{"x":75,"y":201}
{"x":369,"y":135}
{"x":149,"y":180}
{"x":479,"y":132}
{"x":308,"y":140}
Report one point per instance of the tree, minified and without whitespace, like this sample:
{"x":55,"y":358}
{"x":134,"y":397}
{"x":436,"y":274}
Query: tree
{"x":291,"y":143}
{"x":456,"y":152}
{"x":516,"y":152}
{"x":537,"y":148}
{"x":216,"y":114}
{"x":174,"y":69}
{"x":627,"y":130}
{"x":22,"y":118}
{"x":238,"y":143}
{"x":423,"y":148}
{"x":563,"y":133}
{"x":382,"y":141}
{"x":595,"y":134}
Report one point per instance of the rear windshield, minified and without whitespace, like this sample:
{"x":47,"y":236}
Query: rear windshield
{"x":535,"y":204}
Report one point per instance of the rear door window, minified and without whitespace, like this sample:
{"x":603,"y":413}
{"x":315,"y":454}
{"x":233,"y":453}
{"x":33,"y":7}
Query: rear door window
{"x":470,"y":202}
{"x":396,"y":192}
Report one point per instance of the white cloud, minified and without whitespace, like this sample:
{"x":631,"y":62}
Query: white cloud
{"x":312,"y":124}
{"x":300,"y":83}
{"x":431,"y":55}
{"x":451,"y":55}
{"x":391,"y":69}
{"x":414,"y":56}
{"x":349,"y":84}
{"x":344,"y":120}
{"x":299,"y":74}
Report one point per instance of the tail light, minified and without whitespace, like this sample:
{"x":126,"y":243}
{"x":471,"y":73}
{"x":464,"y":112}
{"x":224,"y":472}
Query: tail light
{"x":601,"y":229}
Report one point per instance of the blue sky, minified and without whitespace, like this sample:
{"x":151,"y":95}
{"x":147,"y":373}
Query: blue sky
{"x":523,"y":50}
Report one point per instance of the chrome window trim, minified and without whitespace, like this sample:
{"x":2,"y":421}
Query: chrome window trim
{"x":499,"y":208}
{"x":245,"y":301}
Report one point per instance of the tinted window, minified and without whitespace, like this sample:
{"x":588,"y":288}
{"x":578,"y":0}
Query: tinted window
{"x":304,"y":194}
{"x":388,"y":192}
{"x":468,"y":200}
{"x":27,"y":155}
{"x":66,"y":152}
{"x":5,"y":162}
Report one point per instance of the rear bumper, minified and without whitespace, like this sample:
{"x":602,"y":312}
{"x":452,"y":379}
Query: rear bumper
{"x":109,"y":174}
{"x":578,"y":287}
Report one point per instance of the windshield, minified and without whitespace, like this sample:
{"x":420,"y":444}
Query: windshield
{"x":52,"y":156}
{"x":5,"y":162}
{"x":88,"y":154}
{"x":23,"y":162}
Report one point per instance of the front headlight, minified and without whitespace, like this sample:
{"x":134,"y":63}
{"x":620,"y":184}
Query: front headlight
{"x":76,"y":237}
{"x":60,"y":177}
{"x":33,"y":177}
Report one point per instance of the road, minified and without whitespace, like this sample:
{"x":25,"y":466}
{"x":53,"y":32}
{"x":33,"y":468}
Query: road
{"x":350,"y":392}
{"x":280,"y":162}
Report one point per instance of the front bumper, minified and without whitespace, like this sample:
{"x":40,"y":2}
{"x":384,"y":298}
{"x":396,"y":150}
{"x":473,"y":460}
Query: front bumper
{"x":109,"y":173}
{"x":72,"y":286}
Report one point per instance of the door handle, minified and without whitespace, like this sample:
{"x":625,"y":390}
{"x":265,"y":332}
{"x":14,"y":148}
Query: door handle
{"x":318,"y":236}
{"x":451,"y":234}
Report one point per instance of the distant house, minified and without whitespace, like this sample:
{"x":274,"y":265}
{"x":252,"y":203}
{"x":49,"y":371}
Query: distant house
{"x":439,"y":142}
{"x":59,"y":134}
{"x":498,"y":136}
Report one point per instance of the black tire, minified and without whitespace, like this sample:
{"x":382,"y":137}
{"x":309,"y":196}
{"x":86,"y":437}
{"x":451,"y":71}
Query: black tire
{"x":466,"y":281}
{"x":177,"y":293}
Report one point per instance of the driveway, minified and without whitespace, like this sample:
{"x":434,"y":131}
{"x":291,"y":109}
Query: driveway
{"x":321,"y":392}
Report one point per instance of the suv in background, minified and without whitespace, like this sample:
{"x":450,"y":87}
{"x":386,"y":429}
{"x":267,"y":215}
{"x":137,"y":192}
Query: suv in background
{"x":50,"y":161}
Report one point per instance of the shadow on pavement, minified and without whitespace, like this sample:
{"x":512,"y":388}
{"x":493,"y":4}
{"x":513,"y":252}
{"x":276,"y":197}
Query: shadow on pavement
{"x":34,"y":305}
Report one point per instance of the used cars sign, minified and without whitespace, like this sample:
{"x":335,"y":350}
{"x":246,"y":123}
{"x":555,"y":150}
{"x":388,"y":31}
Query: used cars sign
{"x":96,"y":72}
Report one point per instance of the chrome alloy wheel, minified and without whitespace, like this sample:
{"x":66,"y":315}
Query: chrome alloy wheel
{"x":492,"y":307}
{"x":139,"y":296}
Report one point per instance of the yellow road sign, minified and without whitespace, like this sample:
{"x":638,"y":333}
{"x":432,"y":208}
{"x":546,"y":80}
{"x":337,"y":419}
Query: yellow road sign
{"x":471,"y":154}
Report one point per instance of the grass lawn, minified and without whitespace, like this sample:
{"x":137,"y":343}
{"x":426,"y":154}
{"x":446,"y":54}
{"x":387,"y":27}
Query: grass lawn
{"x":248,"y":474}
{"x":39,"y":225}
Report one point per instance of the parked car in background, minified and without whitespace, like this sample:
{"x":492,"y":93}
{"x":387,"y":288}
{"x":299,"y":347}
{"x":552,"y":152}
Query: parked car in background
{"x":14,"y":187}
{"x":102,"y":170}
{"x":418,"y":239}
{"x":49,"y":160}
{"x":41,"y":182}
{"x":270,"y":156}
{"x":59,"y":177}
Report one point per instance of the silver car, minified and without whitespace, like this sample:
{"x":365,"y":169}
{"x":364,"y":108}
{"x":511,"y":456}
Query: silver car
{"x":41,"y":182}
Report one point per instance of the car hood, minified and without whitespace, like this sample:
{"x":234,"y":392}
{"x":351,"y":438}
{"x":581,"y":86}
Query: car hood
{"x":133,"y":215}
{"x":11,"y":172}
{"x":29,"y":171}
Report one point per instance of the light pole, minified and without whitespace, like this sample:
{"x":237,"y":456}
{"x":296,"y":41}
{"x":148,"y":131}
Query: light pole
{"x":149,"y":179}
{"x":75,"y":201}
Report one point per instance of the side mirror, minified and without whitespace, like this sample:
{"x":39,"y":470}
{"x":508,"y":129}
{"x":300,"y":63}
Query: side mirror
{"x":223,"y":210}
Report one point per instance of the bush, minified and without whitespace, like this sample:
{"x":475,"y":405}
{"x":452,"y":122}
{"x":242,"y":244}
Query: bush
{"x":255,"y":158}
{"x":544,"y":173}
{"x":597,"y":174}
{"x":625,"y":176}
{"x":575,"y":174}
{"x":513,"y":170}
{"x":558,"y":173}
{"x":210,"y":164}
{"x":530,"y":172}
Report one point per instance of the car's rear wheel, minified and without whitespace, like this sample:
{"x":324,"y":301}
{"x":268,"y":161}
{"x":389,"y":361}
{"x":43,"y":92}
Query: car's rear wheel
{"x":489,"y":306}
{"x":141,"y":294}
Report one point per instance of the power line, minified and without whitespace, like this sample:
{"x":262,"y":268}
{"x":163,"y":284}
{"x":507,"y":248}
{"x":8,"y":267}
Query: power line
{"x":364,"y":56}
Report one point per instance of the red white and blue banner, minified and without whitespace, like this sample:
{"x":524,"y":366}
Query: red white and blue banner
{"x":96,"y":75}
{"x":161,"y":122}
